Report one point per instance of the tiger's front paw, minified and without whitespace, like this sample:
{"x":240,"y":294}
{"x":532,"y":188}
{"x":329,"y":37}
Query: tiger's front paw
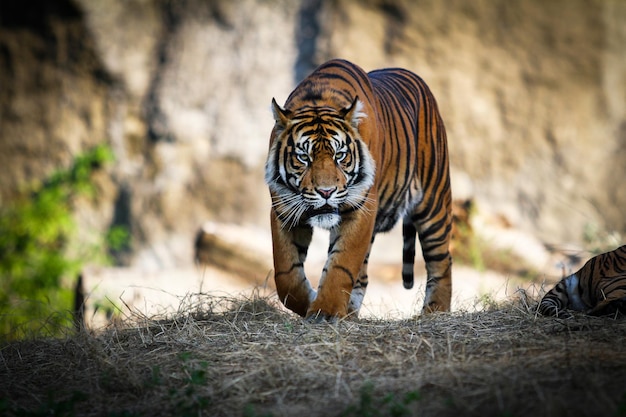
{"x":318,"y":317}
{"x":320,"y":311}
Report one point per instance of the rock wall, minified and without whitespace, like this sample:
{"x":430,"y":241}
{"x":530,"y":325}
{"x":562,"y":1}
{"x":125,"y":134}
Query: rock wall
{"x":533,"y":95}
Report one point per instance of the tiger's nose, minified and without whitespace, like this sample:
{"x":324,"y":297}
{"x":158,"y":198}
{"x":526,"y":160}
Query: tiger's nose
{"x":326,"y":192}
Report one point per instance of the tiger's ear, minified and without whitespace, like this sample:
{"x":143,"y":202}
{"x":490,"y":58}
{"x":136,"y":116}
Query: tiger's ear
{"x":280,"y":115}
{"x":354,"y":113}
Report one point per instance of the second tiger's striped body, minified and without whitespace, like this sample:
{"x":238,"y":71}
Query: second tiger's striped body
{"x":598,"y":288}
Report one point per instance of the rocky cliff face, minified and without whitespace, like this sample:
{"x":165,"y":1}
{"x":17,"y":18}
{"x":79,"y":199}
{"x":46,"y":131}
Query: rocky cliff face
{"x":533,"y":95}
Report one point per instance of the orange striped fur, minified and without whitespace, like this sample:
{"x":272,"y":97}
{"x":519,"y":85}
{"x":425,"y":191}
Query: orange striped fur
{"x":353,"y":152}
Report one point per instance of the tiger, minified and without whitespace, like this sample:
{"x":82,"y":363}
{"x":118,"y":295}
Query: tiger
{"x":353,"y":152}
{"x":598,"y":288}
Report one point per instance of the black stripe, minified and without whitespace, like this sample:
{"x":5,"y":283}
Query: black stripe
{"x":347,"y":271}
{"x":293,"y":266}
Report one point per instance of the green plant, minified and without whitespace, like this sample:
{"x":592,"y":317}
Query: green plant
{"x":372,"y":406}
{"x":52,"y":407}
{"x":36,"y":231}
{"x":189,"y":400}
{"x":621,"y":406}
{"x":249,"y":411}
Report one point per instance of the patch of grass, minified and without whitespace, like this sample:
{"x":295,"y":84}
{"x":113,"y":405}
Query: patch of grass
{"x":51,"y":407}
{"x":189,"y":399}
{"x":372,"y":405}
{"x":224,"y":357}
{"x":250,"y":411}
{"x":621,"y":407}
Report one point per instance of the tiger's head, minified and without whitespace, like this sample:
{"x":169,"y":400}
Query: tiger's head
{"x":318,"y":166}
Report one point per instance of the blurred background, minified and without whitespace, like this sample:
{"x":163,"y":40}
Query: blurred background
{"x":174,"y":96}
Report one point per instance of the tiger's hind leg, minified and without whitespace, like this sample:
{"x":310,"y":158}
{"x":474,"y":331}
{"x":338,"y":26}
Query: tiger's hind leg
{"x":608,"y":307}
{"x":434,"y":230}
{"x":439,"y":280}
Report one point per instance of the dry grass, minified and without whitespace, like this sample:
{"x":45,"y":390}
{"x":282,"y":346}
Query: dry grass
{"x":248,"y":357}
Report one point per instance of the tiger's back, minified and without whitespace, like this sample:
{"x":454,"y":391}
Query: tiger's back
{"x":414,"y":155}
{"x":598,"y":288}
{"x":390,"y":119}
{"x":421,"y":193}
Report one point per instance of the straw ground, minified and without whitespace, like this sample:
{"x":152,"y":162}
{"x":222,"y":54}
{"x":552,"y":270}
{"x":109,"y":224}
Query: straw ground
{"x":249,"y":357}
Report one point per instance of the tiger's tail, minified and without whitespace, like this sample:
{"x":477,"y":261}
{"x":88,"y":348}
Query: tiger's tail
{"x":409,"y":233}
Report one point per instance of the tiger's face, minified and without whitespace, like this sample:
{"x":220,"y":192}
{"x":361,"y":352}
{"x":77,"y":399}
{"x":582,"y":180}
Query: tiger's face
{"x":318,"y":167}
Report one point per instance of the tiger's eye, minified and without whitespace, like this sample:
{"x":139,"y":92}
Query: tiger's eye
{"x":340,"y":155}
{"x":303,"y":157}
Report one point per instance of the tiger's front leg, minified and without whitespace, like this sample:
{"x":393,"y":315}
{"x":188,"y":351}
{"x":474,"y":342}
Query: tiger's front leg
{"x":290,"y":248}
{"x":347,"y":252}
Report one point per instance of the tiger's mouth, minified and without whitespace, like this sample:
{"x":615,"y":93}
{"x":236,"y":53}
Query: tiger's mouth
{"x":325,"y":209}
{"x":325,"y":217}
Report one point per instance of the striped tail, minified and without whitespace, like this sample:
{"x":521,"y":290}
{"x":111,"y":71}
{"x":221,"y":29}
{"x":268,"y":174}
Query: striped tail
{"x":408,"y":253}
